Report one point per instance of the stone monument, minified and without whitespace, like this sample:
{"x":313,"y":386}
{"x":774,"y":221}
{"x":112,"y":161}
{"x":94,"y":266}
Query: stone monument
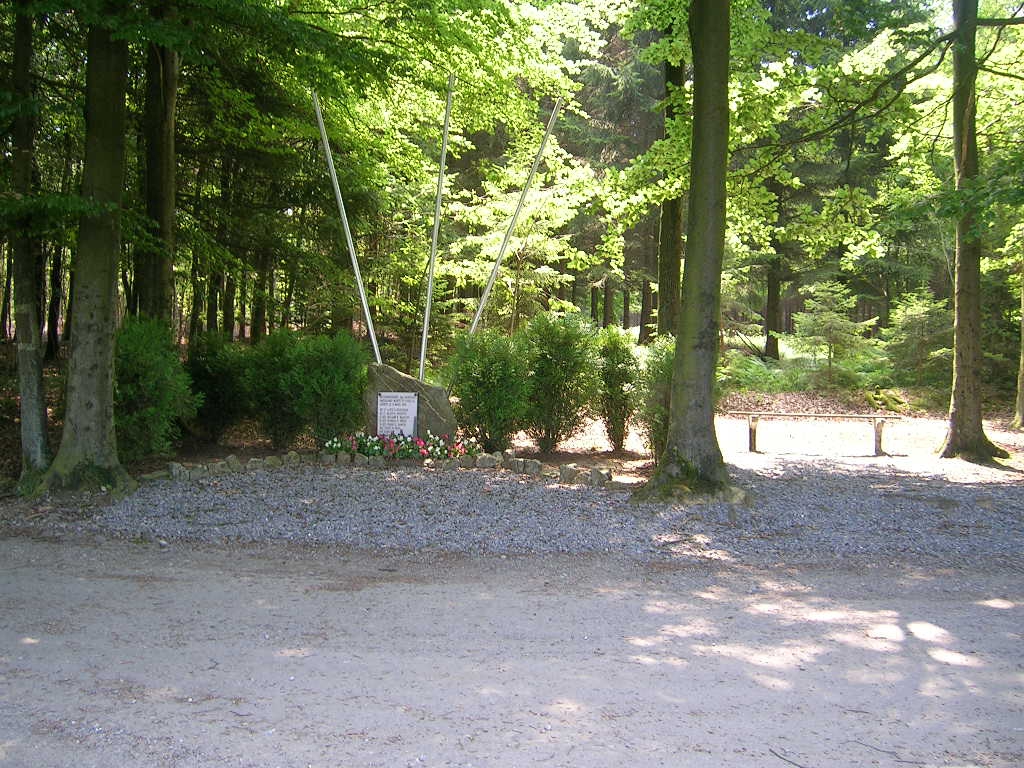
{"x":434,"y":412}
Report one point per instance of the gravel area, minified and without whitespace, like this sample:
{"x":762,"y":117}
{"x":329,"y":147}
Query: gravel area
{"x":798,"y":509}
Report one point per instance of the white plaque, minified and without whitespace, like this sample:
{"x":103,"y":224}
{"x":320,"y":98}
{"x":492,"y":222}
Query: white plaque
{"x":396,"y":413}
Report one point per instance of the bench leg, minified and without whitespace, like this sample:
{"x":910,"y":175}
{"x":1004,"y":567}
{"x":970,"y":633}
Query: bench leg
{"x":879,"y":426}
{"x":752,"y":433}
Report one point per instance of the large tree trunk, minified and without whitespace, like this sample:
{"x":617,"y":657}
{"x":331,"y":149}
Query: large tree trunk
{"x":692,"y":458}
{"x":625,"y":307}
{"x":35,"y":454}
{"x":88,"y":450}
{"x":154,"y":270}
{"x":966,"y":435}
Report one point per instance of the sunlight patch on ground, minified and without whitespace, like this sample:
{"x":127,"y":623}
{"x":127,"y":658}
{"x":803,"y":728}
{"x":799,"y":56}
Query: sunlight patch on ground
{"x":946,"y":656}
{"x":998,"y":603}
{"x":887,"y":632}
{"x":789,"y":656}
{"x":30,"y":641}
{"x":865,"y":641}
{"x":928,"y":632}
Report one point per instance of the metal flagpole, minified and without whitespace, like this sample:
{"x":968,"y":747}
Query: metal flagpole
{"x":344,"y":223}
{"x":437,"y":226}
{"x":515,"y":217}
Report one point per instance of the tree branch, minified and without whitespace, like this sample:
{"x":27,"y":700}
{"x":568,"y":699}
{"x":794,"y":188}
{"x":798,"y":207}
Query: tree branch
{"x":999,"y":73}
{"x":1014,"y":20}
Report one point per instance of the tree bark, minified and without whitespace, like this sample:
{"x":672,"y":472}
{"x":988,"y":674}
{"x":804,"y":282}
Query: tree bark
{"x":595,"y":303}
{"x":608,"y":309}
{"x":1018,"y":414}
{"x":5,"y":302}
{"x":773,"y":306}
{"x":966,"y":435}
{"x":87,"y":456}
{"x":35,"y":453}
{"x":625,"y":307}
{"x":154,"y":266}
{"x":646,"y":310}
{"x":692,"y":459}
{"x":670,"y":234}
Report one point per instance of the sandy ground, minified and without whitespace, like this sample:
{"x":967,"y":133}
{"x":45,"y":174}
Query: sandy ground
{"x":120,"y":654}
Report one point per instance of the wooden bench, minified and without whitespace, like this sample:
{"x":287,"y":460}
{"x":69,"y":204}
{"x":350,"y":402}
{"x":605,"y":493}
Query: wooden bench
{"x":753,"y":417}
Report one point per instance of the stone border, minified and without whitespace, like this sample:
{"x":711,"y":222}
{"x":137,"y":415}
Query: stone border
{"x":566,"y":474}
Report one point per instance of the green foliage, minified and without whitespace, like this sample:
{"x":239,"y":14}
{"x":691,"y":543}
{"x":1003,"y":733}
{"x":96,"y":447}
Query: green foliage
{"x":826,"y":327}
{"x":565,"y":380}
{"x":271,"y":382}
{"x":218,"y":372}
{"x":152,"y":392}
{"x":327,"y":381}
{"x":491,"y":384}
{"x":656,"y":393}
{"x":619,"y":373}
{"x":919,"y":339}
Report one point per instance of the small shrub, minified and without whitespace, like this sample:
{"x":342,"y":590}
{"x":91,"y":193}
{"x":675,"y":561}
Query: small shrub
{"x":656,"y":392}
{"x":218,"y":371}
{"x":563,"y":351}
{"x":152,"y":391}
{"x":490,"y":380}
{"x":327,"y":380}
{"x":270,"y":381}
{"x":619,"y":370}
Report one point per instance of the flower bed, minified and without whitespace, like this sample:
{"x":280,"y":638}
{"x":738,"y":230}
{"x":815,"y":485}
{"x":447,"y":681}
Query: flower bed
{"x":399,"y":446}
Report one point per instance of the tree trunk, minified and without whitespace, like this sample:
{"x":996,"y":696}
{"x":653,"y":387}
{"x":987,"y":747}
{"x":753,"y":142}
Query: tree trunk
{"x":692,"y":458}
{"x":595,"y":303}
{"x":5,"y":302}
{"x":966,"y":435}
{"x":670,"y":234}
{"x":35,"y":454}
{"x":88,"y":450}
{"x":646,"y":310}
{"x":608,"y":310}
{"x":195,"y":314}
{"x":228,"y":308}
{"x":154,"y":266}
{"x":1018,"y":415}
{"x":773,"y":306}
{"x":214,"y":287}
{"x":243,"y":290}
{"x":625,"y":307}
{"x":53,"y":310}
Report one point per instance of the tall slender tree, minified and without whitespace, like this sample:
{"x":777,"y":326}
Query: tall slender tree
{"x":966,"y":434}
{"x":35,"y":455}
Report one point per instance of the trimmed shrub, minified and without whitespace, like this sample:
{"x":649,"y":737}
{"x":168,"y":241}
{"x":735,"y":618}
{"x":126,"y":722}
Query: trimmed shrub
{"x":152,"y":391}
{"x":218,"y":371}
{"x":271,"y":382}
{"x":656,"y":392}
{"x":619,"y":372}
{"x":563,"y":353}
{"x":326,"y":381}
{"x":490,"y":379}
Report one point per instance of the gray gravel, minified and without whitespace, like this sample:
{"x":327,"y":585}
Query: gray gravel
{"x":798,"y":511}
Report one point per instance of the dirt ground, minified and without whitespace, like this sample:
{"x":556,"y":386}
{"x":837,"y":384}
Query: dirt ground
{"x":132,"y":655}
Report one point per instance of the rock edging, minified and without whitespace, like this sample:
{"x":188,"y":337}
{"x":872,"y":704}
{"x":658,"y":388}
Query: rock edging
{"x":566,"y":474}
